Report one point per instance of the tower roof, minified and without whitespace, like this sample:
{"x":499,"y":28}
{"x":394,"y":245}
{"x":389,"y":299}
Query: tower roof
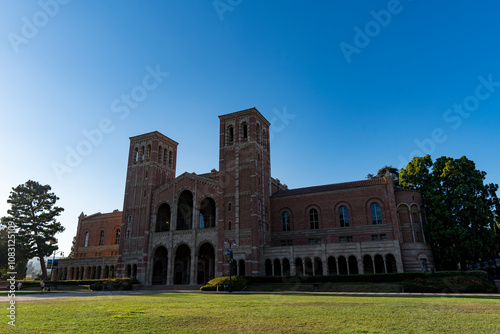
{"x":246,"y":112}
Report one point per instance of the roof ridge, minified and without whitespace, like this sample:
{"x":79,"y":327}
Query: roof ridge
{"x":330,"y":187}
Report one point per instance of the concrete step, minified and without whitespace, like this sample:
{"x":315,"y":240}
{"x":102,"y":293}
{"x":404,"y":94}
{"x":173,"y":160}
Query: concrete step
{"x":166,"y":287}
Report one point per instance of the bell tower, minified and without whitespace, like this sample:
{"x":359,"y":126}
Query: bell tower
{"x":245,"y":189}
{"x":151,"y":163}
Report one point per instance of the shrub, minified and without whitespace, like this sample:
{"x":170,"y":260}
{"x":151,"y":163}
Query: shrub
{"x":237,"y":283}
{"x":113,"y":284}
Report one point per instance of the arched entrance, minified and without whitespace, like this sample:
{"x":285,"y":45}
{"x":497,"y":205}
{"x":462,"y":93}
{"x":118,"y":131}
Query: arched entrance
{"x":353,"y":265}
{"x":182,"y":265}
{"x":368,"y":264}
{"x":206,"y":263}
{"x":160,"y":266}
{"x":379,"y":264}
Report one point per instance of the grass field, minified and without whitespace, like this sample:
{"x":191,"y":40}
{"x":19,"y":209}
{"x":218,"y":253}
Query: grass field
{"x":257,"y":313}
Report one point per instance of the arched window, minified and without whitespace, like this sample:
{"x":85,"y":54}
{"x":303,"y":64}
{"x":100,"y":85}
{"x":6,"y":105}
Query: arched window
{"x":313,"y":219}
{"x":286,"y":221}
{"x":170,"y":159}
{"x":127,"y":235}
{"x":165,"y":156}
{"x":343,"y":216}
{"x":163,"y":218}
{"x":230,"y":207}
{"x":229,"y":226}
{"x":101,"y":238}
{"x":160,"y":151}
{"x":142,"y":154}
{"x":86,"y":243}
{"x":375,"y":212}
{"x":207,"y":213}
{"x":117,"y":237}
{"x":185,"y":211}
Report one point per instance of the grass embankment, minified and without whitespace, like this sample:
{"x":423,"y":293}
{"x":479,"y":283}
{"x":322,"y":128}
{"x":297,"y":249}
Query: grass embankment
{"x":250,"y":313}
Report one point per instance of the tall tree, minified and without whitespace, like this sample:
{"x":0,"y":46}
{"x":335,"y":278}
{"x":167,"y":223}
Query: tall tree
{"x":461,"y":209}
{"x":34,"y":213}
{"x":72,"y":252}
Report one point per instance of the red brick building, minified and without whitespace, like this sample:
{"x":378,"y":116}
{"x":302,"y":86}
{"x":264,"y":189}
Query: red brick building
{"x":178,"y":229}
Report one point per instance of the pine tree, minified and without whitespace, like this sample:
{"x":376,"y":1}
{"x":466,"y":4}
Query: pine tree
{"x":34,"y":213}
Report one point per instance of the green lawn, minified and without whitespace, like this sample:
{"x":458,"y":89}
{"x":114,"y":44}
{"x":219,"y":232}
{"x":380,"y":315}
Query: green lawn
{"x":257,"y":313}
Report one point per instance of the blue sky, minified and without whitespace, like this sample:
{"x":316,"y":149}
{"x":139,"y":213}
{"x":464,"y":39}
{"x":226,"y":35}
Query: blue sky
{"x":349,"y":86}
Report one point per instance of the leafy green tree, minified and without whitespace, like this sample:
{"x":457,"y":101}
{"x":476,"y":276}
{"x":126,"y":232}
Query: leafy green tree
{"x":20,"y":263}
{"x":34,"y":213}
{"x":461,"y":209}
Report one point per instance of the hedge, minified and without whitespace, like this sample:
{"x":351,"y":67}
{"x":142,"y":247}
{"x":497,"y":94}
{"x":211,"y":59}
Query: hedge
{"x":363,"y":278}
{"x":450,"y":284}
{"x":30,"y":284}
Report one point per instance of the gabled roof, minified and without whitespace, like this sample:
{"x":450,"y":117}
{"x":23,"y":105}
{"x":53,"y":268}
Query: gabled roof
{"x":330,"y":187}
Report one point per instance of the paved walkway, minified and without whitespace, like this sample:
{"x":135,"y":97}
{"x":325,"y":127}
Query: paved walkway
{"x":73,"y":294}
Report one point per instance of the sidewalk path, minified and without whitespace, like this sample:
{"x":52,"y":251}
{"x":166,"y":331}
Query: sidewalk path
{"x":74,"y":294}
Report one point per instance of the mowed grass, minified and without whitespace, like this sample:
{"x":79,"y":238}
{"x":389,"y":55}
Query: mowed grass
{"x":257,"y":313}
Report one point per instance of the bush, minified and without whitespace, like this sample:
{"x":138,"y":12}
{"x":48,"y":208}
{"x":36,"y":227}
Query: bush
{"x":113,"y":284}
{"x":237,"y":283}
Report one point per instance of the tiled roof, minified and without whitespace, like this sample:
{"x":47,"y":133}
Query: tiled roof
{"x":330,"y":187}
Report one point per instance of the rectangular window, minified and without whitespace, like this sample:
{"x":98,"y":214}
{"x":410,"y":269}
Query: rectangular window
{"x":289,"y":242}
{"x":312,"y":241}
{"x":349,"y":239}
{"x":342,"y":240}
{"x":375,"y":237}
{"x":283,"y":242}
{"x":383,"y":237}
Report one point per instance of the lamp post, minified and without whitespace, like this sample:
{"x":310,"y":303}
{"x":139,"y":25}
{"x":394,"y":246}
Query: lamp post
{"x":52,"y":265}
{"x":230,"y":259}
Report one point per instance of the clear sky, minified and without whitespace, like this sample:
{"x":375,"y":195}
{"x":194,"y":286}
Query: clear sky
{"x":349,"y":86}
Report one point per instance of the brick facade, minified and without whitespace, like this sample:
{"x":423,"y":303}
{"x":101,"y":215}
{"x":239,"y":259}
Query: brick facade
{"x":177,"y":229}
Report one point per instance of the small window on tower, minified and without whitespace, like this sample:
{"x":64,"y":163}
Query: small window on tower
{"x":230,"y":135}
{"x":170,"y":158}
{"x":258,"y":134}
{"x":148,"y":153}
{"x":230,"y":207}
{"x":244,"y":131}
{"x":136,"y":155}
